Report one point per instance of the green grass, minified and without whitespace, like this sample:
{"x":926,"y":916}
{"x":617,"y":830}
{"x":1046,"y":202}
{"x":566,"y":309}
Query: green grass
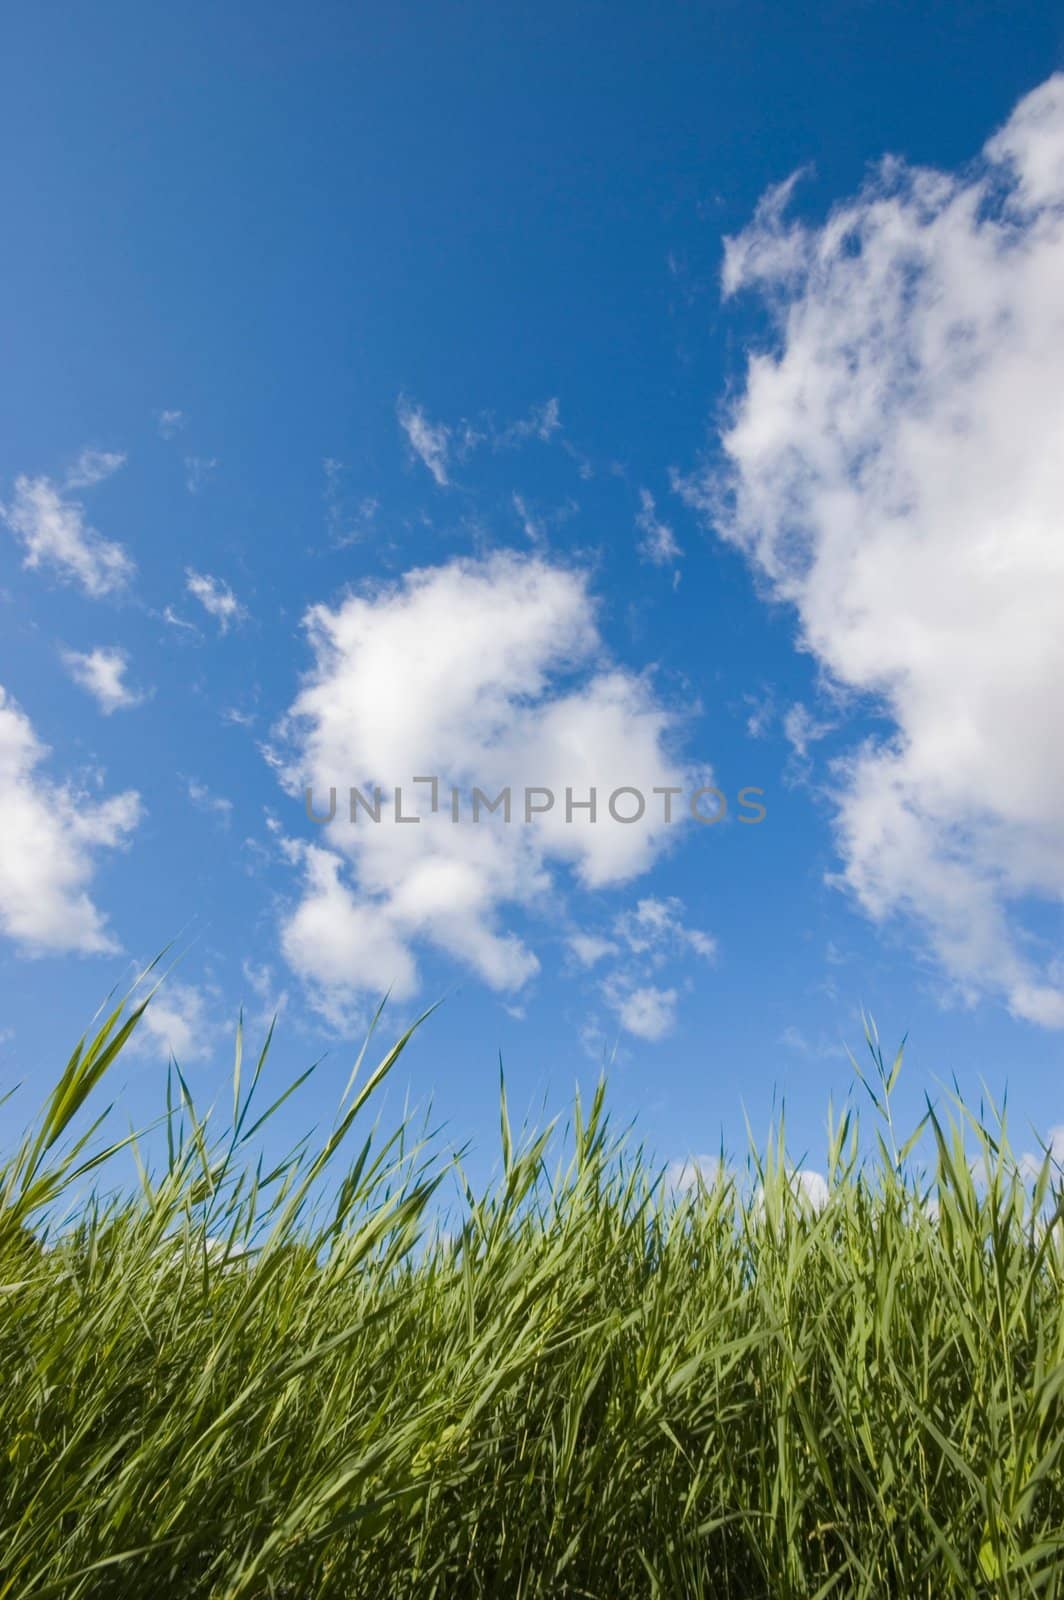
{"x":222,"y":1380}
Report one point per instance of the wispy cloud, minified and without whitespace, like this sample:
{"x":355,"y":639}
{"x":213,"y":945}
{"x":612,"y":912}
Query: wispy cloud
{"x":93,"y":466}
{"x":173,"y":619}
{"x":657,"y":542}
{"x":102,"y":672}
{"x":438,"y":444}
{"x":430,"y":441}
{"x":204,"y":799}
{"x":647,"y":943}
{"x":216,"y":598}
{"x":170,"y":423}
{"x":199,"y":470}
{"x":542,"y":423}
{"x":819,"y":1049}
{"x":590,"y":948}
{"x":54,"y":532}
{"x":802,"y":729}
{"x":348,"y":520}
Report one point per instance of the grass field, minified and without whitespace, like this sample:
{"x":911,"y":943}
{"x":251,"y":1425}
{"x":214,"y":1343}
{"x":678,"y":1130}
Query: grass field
{"x":219,"y":1380}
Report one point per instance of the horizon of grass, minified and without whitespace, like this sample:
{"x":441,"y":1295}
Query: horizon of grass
{"x":233,"y":1380}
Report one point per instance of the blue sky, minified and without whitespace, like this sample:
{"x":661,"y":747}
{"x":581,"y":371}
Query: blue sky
{"x":382,"y":397}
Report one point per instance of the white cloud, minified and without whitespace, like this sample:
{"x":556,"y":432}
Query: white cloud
{"x":346,"y":522}
{"x":273,"y":1001}
{"x":430,"y":441}
{"x":809,"y":1188}
{"x":896,"y":475}
{"x":657,"y":928}
{"x":542,"y":422}
{"x":177,"y":1024}
{"x":93,"y":466}
{"x":485,"y":674}
{"x":762,"y":713}
{"x":1032,"y":1161}
{"x":205,"y":800}
{"x":589,"y":949}
{"x":437,"y":443}
{"x":820,"y":1049}
{"x":341,"y":944}
{"x":199,"y":470}
{"x":648,"y":1012}
{"x":102,"y":672}
{"x":216,"y":598}
{"x":173,"y":620}
{"x":693,"y":1172}
{"x":50,"y":835}
{"x":658,"y":542}
{"x":801,"y":729}
{"x":533,"y":527}
{"x":54,"y":533}
{"x":651,"y":937}
{"x":170,"y":422}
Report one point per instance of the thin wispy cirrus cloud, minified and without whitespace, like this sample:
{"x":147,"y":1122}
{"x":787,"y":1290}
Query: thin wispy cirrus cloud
{"x":429,"y":441}
{"x":204,"y":799}
{"x":170,"y":423}
{"x":216,"y":598}
{"x":92,"y":467}
{"x":483,"y":673}
{"x":438,"y":444}
{"x":101,"y":672}
{"x":55,"y":533}
{"x":348,"y":520}
{"x":199,"y":470}
{"x":894,"y":473}
{"x":542,"y":423}
{"x":657,"y":541}
{"x":51,"y":837}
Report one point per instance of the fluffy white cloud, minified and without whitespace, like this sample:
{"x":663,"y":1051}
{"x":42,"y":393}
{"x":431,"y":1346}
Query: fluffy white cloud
{"x":483,"y":674}
{"x":49,"y":837}
{"x":1031,"y":1161}
{"x":54,"y":533}
{"x":896,"y":474}
{"x":809,"y":1188}
{"x":102,"y":672}
{"x":177,"y":1023}
{"x":694,"y":1172}
{"x":647,"y":1011}
{"x":216,"y":598}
